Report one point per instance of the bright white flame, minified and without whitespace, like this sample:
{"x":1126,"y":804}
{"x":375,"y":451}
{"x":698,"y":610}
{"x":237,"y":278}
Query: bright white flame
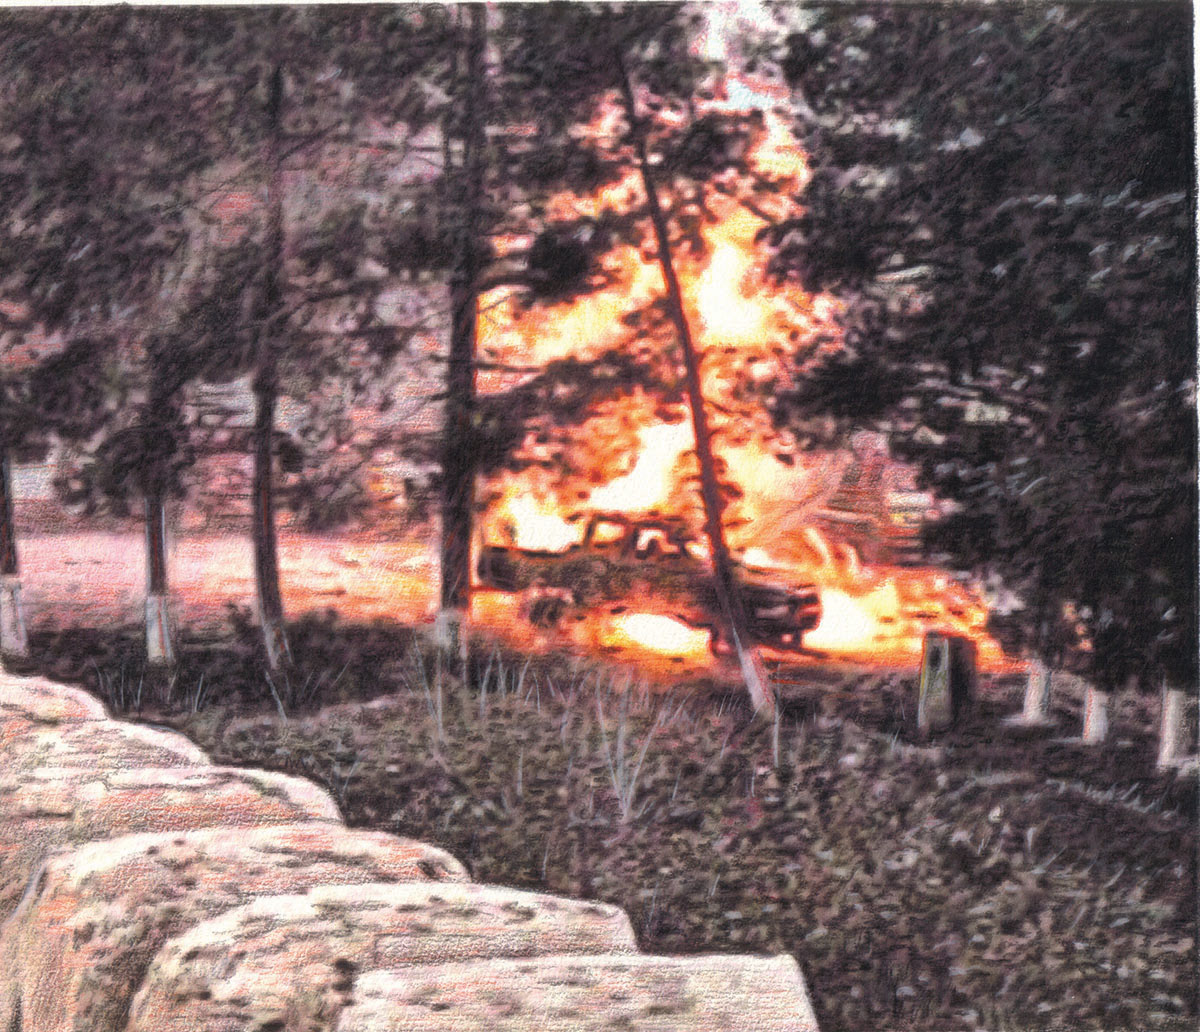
{"x":536,"y":527}
{"x":846,"y":622}
{"x":729,"y":314}
{"x":760,"y":559}
{"x":661,"y":633}
{"x":647,"y":486}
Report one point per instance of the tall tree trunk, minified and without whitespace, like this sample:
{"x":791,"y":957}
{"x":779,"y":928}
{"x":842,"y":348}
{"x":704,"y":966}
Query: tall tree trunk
{"x":160,"y":650}
{"x":13,"y":640}
{"x":728,"y":595}
{"x":1036,"y":711}
{"x":266,"y":553}
{"x":458,"y":448}
{"x":266,"y":389}
{"x":160,"y":427}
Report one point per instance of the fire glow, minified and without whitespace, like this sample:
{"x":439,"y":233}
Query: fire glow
{"x":633,"y":453}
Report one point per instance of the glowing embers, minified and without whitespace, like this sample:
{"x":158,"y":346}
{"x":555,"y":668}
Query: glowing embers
{"x":660,"y":645}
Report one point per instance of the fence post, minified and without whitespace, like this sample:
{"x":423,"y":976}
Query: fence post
{"x":947,"y":686}
{"x":1171,"y":745}
{"x":1036,"y":711}
{"x":1095,"y":716}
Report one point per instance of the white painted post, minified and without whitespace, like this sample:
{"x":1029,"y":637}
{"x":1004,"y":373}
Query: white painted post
{"x":1095,"y":716}
{"x":451,"y":636}
{"x":13,"y":639}
{"x":1037,"y":695}
{"x":1171,"y":745}
{"x":448,"y":629}
{"x":159,"y":650}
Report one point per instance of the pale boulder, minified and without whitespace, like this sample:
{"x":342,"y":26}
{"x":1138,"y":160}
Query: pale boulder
{"x":38,"y":699}
{"x":581,"y":994}
{"x":49,"y":807}
{"x":293,"y":960}
{"x":101,"y":746}
{"x":76,"y":951}
{"x":13,"y":728}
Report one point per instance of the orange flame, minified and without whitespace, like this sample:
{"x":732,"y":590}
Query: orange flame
{"x":631,"y":456}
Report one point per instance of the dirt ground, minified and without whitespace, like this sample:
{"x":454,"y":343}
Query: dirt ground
{"x":98,"y":579}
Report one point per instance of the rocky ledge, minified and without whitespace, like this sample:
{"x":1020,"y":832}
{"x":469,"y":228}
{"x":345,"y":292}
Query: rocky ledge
{"x":144,"y":888}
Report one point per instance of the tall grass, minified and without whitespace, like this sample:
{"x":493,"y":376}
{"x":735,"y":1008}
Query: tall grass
{"x":119,"y":690}
{"x":294,"y":694}
{"x":623,"y":755}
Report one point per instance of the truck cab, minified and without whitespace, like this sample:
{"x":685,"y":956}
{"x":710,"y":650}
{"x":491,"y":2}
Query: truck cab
{"x":622,"y":559}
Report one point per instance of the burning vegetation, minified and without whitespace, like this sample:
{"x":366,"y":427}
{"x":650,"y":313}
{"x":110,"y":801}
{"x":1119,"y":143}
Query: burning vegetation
{"x":599,"y":526}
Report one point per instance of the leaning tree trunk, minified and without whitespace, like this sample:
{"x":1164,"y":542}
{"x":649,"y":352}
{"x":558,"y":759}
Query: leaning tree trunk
{"x":458,"y":450}
{"x":266,"y":553}
{"x":13,"y":640}
{"x":266,"y":390}
{"x":728,"y":595}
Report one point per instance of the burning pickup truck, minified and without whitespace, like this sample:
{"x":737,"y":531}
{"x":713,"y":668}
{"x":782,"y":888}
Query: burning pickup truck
{"x":626,"y":563}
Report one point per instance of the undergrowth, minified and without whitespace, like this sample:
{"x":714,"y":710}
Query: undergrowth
{"x":965,"y":885}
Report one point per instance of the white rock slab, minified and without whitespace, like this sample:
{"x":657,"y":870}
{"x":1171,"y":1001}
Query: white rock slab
{"x":36,"y":698}
{"x":76,"y":950}
{"x":294,"y":959}
{"x":581,"y":994}
{"x":45,"y":808}
{"x":99,"y":745}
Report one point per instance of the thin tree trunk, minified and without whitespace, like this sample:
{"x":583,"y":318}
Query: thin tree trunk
{"x":266,"y":388}
{"x":160,"y":649}
{"x":1035,"y":711}
{"x":161,"y":427}
{"x":13,"y":640}
{"x":728,"y":596}
{"x":266,"y":554}
{"x":458,"y":449}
